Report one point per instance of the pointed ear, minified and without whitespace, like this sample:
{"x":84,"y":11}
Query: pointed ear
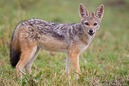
{"x":83,"y":11}
{"x":100,"y":11}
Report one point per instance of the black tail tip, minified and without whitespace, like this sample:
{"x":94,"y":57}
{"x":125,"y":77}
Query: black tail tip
{"x":14,"y":57}
{"x":13,"y":63}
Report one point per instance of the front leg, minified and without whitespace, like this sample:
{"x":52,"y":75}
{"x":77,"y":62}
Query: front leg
{"x":74,"y":52}
{"x":68,"y":67}
{"x":74,"y":58}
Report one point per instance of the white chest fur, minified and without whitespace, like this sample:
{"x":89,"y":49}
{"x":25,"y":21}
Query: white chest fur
{"x":84,"y":46}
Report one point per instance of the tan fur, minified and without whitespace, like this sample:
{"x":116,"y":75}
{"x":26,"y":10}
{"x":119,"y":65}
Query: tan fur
{"x":54,"y":45}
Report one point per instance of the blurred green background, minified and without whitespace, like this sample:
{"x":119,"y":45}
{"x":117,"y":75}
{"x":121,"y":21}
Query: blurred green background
{"x":104,"y":63}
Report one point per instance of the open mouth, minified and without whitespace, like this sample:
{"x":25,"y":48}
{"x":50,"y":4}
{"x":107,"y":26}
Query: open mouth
{"x":91,"y":34}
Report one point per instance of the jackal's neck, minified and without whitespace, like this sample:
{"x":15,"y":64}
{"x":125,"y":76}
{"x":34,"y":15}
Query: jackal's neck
{"x":84,"y":37}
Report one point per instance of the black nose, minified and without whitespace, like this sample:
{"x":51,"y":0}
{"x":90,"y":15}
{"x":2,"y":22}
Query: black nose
{"x":91,"y":31}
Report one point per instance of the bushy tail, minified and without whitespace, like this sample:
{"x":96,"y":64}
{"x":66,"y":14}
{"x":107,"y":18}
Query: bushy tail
{"x":14,"y":53}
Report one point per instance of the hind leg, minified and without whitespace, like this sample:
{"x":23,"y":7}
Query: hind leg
{"x":25,"y":57}
{"x":30,"y":62}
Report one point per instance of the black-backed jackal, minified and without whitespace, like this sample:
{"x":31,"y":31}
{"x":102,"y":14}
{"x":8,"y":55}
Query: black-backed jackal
{"x":32,"y":35}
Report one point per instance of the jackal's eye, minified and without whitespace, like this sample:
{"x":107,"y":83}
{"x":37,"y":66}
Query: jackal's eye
{"x":95,"y":24}
{"x":86,"y":23}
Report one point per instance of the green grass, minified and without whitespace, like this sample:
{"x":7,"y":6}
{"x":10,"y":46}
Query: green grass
{"x":104,"y":63}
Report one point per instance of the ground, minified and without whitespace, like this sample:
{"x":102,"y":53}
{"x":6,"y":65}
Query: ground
{"x":104,"y":63}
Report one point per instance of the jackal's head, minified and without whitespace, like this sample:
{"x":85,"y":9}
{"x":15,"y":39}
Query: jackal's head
{"x":91,"y":20}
